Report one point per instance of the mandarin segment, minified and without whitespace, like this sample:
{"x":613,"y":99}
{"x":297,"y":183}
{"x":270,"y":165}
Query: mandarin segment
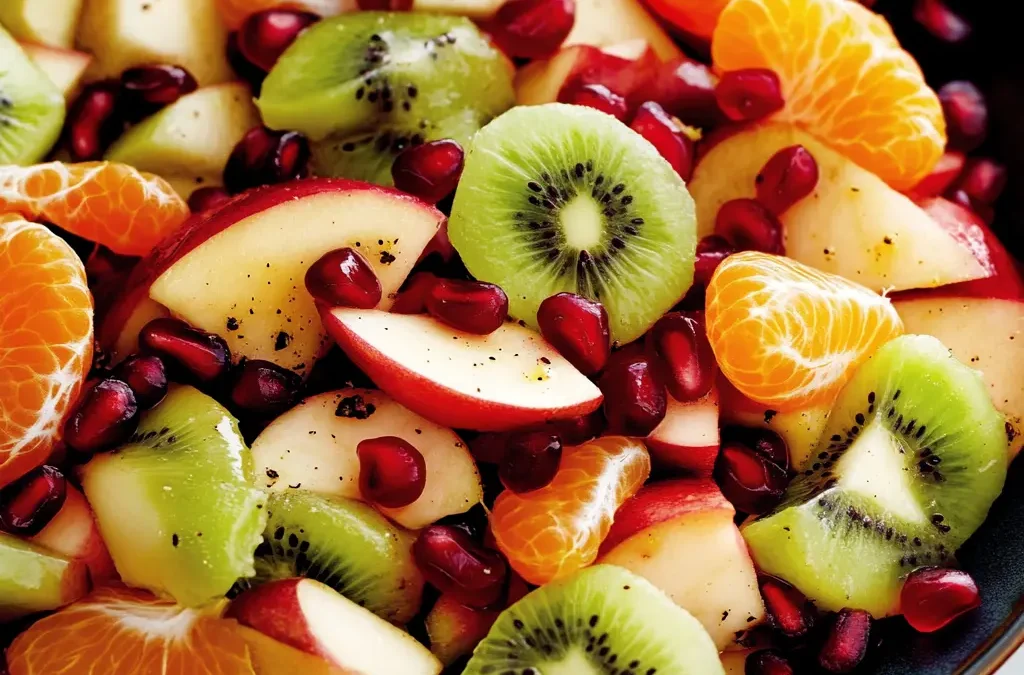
{"x":46,"y":337}
{"x":113,"y":204}
{"x":552,"y":532}
{"x":844,"y":77}
{"x":789,"y":336}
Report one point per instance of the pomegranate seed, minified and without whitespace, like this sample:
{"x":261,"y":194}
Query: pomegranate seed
{"x":94,"y":121}
{"x":532,"y":29}
{"x":657,"y":126}
{"x":678,"y":347}
{"x":939,"y":20}
{"x":749,"y":226}
{"x":753,"y":483}
{"x":966,"y":113}
{"x":750,"y":94}
{"x":764,"y":442}
{"x":343,"y":278}
{"x":578,"y":328}
{"x":429,"y":171}
{"x":789,"y":176}
{"x":789,"y":610}
{"x":440,"y":245}
{"x":983,"y":180}
{"x":932,"y":597}
{"x":711,"y":251}
{"x":470,"y":306}
{"x":265,"y":35}
{"x":385,"y":5}
{"x":146,"y":89}
{"x":207,"y":199}
{"x":634,"y":399}
{"x":106,"y":416}
{"x":530,"y":461}
{"x":847,"y":642}
{"x":265,"y":157}
{"x":453,"y":563}
{"x":946,"y":170}
{"x":767,"y":662}
{"x":146,"y":376}
{"x":489,"y":448}
{"x":579,"y":429}
{"x":686,"y":89}
{"x":203,"y":355}
{"x":392,"y":473}
{"x":29,"y":504}
{"x":598,"y":97}
{"x":413,"y":298}
{"x":264,"y":388}
{"x":245,"y":69}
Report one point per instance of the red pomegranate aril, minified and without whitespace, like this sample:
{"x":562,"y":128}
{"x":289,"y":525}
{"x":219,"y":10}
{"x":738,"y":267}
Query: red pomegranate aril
{"x":789,"y":610}
{"x":946,"y":171}
{"x":578,"y":328}
{"x":579,"y":429}
{"x":983,"y":180}
{"x":711,"y":251}
{"x":262,"y":387}
{"x":207,"y":199}
{"x":932,"y":597}
{"x":385,"y":5}
{"x":749,"y":226}
{"x":634,"y":398}
{"x":147,"y":377}
{"x":750,"y":94}
{"x":146,"y":89}
{"x":453,"y":563}
{"x":265,"y":157}
{"x":677,"y":345}
{"x":94,"y":121}
{"x":429,"y":171}
{"x":265,"y":35}
{"x":847,"y":641}
{"x":657,"y":126}
{"x":343,"y":278}
{"x":204,"y":356}
{"x":392,"y":472}
{"x":966,"y":113}
{"x":244,"y":68}
{"x":489,"y":447}
{"x":939,"y":20}
{"x":789,"y":176}
{"x":105,"y":416}
{"x":530,"y":462}
{"x":598,"y":97}
{"x":470,"y":306}
{"x":686,"y":89}
{"x":532,"y":29}
{"x":767,"y":662}
{"x":413,"y":298}
{"x":764,"y":442}
{"x":29,"y":504}
{"x":753,"y":483}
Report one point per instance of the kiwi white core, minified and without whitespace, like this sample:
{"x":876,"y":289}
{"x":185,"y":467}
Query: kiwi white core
{"x":874,"y":467}
{"x":582,"y":224}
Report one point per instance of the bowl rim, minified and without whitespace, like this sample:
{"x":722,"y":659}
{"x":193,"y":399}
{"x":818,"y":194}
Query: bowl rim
{"x":999,"y":647}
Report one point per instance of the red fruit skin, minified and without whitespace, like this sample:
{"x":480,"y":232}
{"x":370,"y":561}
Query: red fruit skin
{"x":750,"y":94}
{"x":789,"y":176}
{"x":578,"y":328}
{"x":29,"y":504}
{"x":598,"y":97}
{"x":711,"y":251}
{"x":767,"y":662}
{"x":654,"y":124}
{"x":94,"y":121}
{"x":634,"y":397}
{"x":106,"y":416}
{"x":764,"y":442}
{"x":250,"y":609}
{"x":342,"y":277}
{"x":453,"y":563}
{"x":263,"y":387}
{"x":203,"y":355}
{"x":982,"y":179}
{"x":749,"y":226}
{"x":147,"y":377}
{"x":941,"y":21}
{"x":532,"y":29}
{"x":146,"y":89}
{"x":530,"y":461}
{"x":265,"y":157}
{"x":413,"y":298}
{"x":470,"y":306}
{"x":966,"y":113}
{"x":677,"y":345}
{"x":392,"y":473}
{"x":789,"y":610}
{"x":630,"y":78}
{"x":207,"y":199}
{"x":265,"y":35}
{"x":385,"y":5}
{"x":753,"y":483}
{"x":847,"y":642}
{"x":429,"y":171}
{"x":942,"y":176}
{"x":933,"y":597}
{"x":244,"y":68}
{"x":686,"y":89}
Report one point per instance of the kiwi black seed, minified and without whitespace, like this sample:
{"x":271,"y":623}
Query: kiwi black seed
{"x":31,"y":107}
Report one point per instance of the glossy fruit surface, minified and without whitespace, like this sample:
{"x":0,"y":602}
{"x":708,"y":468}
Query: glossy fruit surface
{"x":749,"y":226}
{"x":753,"y":483}
{"x":453,"y":563}
{"x":696,"y":17}
{"x":106,"y":416}
{"x":147,"y":377}
{"x":27,"y":506}
{"x":789,"y":610}
{"x":578,"y":328}
{"x":94,"y":121}
{"x":392,"y":472}
{"x":847,"y":641}
{"x":265,"y":157}
{"x":933,"y":597}
{"x":343,"y":278}
{"x":678,"y":347}
{"x":207,"y":199}
{"x":789,"y":176}
{"x":657,"y":126}
{"x":749,"y":94}
{"x":634,"y":396}
{"x":202,"y":355}
{"x":146,"y":89}
{"x":429,"y":171}
{"x":966,"y":113}
{"x":711,"y":251}
{"x":471,"y":306}
{"x":265,"y":35}
{"x":598,"y":97}
{"x":530,"y":461}
{"x":264,"y":388}
{"x":532,"y":29}
{"x":941,"y":21}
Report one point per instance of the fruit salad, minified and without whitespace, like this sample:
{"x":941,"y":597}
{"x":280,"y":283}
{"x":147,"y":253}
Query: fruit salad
{"x":533,"y":337}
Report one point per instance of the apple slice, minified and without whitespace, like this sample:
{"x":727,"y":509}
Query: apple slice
{"x":64,"y":67}
{"x":853,"y":224}
{"x":624,"y":68}
{"x":314,"y":444}
{"x":270,"y":657}
{"x":687,"y":437}
{"x":607,"y":22}
{"x":680,"y":536}
{"x":735,"y":662}
{"x":74,"y":534}
{"x":314,"y":619}
{"x":511,"y":378}
{"x":454,"y":629}
{"x":477,"y":10}
{"x":45,"y":22}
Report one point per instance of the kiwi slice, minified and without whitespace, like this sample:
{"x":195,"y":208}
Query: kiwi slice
{"x":565,"y":198}
{"x":604,"y":620}
{"x":176,"y":505}
{"x":342,"y":543}
{"x":31,"y":106}
{"x":33,"y":579}
{"x":912,"y":458}
{"x":366,"y":85}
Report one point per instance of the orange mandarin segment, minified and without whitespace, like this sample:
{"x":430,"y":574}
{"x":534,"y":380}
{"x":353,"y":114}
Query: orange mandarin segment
{"x":112,"y":204}
{"x":844,"y":77}
{"x":789,"y":336}
{"x":46,"y":337}
{"x":552,"y":532}
{"x":121,"y":631}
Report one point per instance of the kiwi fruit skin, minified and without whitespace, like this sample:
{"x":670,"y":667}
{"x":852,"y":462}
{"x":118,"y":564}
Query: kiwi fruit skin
{"x":31,"y":579}
{"x":602,"y":620}
{"x":344,"y":544}
{"x":560,"y":198}
{"x":177,"y":505}
{"x":912,"y":457}
{"x":32,"y":109}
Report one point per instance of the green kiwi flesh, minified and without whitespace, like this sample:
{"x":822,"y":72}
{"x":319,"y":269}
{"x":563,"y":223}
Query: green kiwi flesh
{"x":912,"y":458}
{"x":177,"y":505}
{"x":33,"y":579}
{"x":603,"y":620}
{"x":31,"y":107}
{"x":559,"y":198}
{"x":342,"y":543}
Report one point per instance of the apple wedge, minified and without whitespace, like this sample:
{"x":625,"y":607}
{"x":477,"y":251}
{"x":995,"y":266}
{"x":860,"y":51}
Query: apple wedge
{"x":607,"y":22}
{"x":73,"y":533}
{"x":454,"y":629}
{"x":478,"y":10}
{"x":511,"y":378}
{"x":625,"y":68}
{"x":64,"y":67}
{"x":680,"y":536}
{"x":45,"y":22}
{"x":853,"y":224}
{"x":687,"y":437}
{"x":314,"y":444}
{"x":270,"y":657}
{"x":312,"y":618}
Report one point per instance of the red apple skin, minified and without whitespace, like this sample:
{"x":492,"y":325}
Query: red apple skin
{"x":274,"y":610}
{"x":665,"y":500}
{"x":675,"y":450}
{"x":73,"y":533}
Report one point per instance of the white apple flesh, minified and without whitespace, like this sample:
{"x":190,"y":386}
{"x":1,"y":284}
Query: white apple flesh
{"x":43,"y":22}
{"x":607,"y":22}
{"x":687,"y":438}
{"x":73,"y":533}
{"x":64,"y":67}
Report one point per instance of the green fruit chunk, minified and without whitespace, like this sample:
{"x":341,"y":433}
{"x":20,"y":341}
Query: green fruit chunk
{"x":33,"y":579}
{"x":31,"y":106}
{"x":176,"y":505}
{"x":601,"y":621}
{"x":565,"y":198}
{"x":342,"y":543}
{"x":912,"y":458}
